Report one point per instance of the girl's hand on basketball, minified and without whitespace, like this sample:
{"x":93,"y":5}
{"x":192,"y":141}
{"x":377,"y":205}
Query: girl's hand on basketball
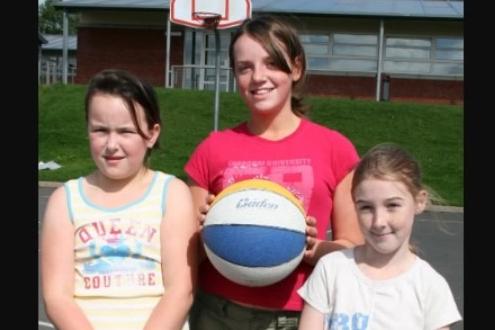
{"x":311,"y":231}
{"x":203,"y":209}
{"x":311,"y":240}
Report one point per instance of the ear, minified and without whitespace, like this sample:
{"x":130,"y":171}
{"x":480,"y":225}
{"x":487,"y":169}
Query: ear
{"x":154,"y":134}
{"x":297,"y":69}
{"x":421,"y":201}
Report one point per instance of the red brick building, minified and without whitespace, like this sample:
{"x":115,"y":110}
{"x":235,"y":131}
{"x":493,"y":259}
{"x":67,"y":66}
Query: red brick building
{"x":392,"y":49}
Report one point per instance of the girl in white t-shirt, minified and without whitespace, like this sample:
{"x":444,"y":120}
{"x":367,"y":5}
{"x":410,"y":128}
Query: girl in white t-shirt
{"x":382,"y":284}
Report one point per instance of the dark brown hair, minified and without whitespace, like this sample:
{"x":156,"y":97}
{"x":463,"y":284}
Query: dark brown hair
{"x":131,"y":90}
{"x":278,"y":38}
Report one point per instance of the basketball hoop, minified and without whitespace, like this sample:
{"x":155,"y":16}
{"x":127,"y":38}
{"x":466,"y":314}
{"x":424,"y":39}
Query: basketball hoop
{"x":210,"y":20}
{"x":214,"y":15}
{"x":218,"y":14}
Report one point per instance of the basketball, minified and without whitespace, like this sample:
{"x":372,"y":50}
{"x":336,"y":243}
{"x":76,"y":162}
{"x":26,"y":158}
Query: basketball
{"x":254,"y":233}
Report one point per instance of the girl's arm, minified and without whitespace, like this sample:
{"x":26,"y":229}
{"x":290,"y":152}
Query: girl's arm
{"x":179,"y":240}
{"x":57,"y":266}
{"x":345,"y":225}
{"x":345,"y":228}
{"x":202,"y":201}
{"x":311,"y":319}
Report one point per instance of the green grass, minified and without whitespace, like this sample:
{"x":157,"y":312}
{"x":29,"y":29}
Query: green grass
{"x":433,"y":133}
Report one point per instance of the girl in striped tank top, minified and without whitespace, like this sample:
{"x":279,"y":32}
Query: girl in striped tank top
{"x":118,"y":246}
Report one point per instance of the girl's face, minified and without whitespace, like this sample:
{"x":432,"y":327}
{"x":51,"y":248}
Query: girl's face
{"x":386,"y":211}
{"x":264,"y":88}
{"x":116,"y":146}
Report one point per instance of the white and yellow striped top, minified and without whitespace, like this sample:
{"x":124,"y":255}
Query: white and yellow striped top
{"x":118,"y":277}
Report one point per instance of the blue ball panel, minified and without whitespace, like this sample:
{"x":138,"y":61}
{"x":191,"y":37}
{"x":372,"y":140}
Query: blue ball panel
{"x":253,"y":246}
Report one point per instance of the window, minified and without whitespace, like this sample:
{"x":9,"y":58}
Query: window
{"x":341,"y":52}
{"x":316,"y":44}
{"x":407,"y":55}
{"x":348,"y":52}
{"x":449,"y":49}
{"x":428,"y":56}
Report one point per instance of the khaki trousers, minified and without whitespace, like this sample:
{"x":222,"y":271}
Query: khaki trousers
{"x":210,"y":312}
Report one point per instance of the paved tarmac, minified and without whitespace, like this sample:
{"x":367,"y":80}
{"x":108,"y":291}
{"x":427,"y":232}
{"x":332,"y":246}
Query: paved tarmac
{"x":439,"y":234}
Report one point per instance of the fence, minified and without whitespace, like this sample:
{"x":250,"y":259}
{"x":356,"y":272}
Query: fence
{"x":201,"y":77}
{"x":51,"y":72}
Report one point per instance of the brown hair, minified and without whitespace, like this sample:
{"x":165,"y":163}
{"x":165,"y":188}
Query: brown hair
{"x":278,"y":38}
{"x":390,"y":162}
{"x":131,"y":90}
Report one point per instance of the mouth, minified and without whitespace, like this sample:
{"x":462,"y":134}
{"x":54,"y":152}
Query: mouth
{"x":112,"y":158}
{"x":380,"y":235}
{"x":261,"y":91}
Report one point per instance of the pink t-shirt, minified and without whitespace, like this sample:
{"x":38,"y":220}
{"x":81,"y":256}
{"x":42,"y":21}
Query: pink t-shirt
{"x":310,"y":163}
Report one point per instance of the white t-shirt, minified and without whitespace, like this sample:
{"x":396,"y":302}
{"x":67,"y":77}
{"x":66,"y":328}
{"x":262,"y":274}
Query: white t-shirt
{"x":417,"y":299}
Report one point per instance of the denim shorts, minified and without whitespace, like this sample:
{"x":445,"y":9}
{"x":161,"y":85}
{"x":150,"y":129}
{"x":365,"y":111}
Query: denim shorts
{"x":210,"y":312}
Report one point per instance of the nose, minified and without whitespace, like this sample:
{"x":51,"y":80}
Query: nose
{"x":111,"y":144}
{"x":259,"y":73}
{"x":379,"y":219}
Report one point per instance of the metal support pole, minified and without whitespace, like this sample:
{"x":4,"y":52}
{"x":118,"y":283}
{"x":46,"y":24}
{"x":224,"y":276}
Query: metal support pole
{"x":47,"y":73}
{"x":39,"y":65}
{"x":380,"y":62}
{"x":217,"y":78}
{"x":167,"y":58}
{"x":192,"y":72}
{"x":65,"y":62}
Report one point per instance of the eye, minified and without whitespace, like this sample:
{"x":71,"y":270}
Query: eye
{"x":271,"y":65}
{"x":127,"y":131}
{"x":98,"y":130}
{"x":242,"y":68}
{"x":393,"y":206}
{"x":364,"y":208}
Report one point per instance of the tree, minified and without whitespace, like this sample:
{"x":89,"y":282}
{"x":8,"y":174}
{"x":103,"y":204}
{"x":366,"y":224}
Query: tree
{"x":50,"y":20}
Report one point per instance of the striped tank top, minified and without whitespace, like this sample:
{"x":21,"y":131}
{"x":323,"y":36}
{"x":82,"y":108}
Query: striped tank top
{"x":118,"y":276}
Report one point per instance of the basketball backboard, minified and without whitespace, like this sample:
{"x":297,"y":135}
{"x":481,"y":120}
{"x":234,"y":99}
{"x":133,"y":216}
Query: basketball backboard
{"x":193,"y":13}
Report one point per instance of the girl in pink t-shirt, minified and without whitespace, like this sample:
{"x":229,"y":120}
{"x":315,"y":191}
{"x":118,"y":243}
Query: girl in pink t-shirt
{"x":277,"y":143}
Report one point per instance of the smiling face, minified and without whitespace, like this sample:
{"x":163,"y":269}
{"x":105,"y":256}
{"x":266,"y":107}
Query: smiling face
{"x":264,"y":87}
{"x":386,"y":210}
{"x":117,"y":148}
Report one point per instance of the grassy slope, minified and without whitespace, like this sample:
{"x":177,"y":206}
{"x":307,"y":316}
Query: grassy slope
{"x":433,"y":133}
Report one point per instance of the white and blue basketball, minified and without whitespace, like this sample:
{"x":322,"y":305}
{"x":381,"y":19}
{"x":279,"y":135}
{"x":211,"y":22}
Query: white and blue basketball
{"x":254,"y":232}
